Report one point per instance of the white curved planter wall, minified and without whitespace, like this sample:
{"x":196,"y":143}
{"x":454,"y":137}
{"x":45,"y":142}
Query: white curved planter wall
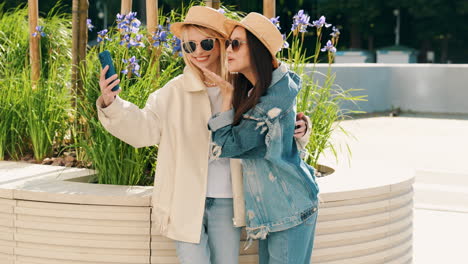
{"x":45,"y":219}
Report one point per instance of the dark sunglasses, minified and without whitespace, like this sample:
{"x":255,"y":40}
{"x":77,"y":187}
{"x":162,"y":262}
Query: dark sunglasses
{"x":191,"y":46}
{"x":235,"y":43}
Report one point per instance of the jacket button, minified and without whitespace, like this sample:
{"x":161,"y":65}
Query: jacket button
{"x":315,"y":209}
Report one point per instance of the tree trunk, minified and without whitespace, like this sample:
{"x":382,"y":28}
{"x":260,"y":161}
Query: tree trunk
{"x":152,"y":24}
{"x":82,"y":44}
{"x":444,"y":50}
{"x":370,"y":42}
{"x":355,"y":36}
{"x":423,"y":51}
{"x":213,"y":3}
{"x":152,"y":16}
{"x":126,"y":7}
{"x":75,"y":48}
{"x":269,"y":9}
{"x":79,"y":44}
{"x":34,"y":47}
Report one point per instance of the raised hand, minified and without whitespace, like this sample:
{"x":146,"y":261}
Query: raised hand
{"x":225,"y":87}
{"x":106,"y":86}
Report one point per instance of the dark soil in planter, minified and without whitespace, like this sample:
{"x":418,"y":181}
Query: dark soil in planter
{"x":66,"y":159}
{"x":323,"y":171}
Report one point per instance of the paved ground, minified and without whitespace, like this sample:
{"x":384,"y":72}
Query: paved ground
{"x":436,"y":147}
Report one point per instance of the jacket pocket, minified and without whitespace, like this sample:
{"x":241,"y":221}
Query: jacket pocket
{"x":312,"y":219}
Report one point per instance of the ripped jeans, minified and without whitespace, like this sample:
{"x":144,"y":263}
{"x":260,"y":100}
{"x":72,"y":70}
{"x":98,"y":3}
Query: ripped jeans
{"x":219,"y":241}
{"x":291,"y":246}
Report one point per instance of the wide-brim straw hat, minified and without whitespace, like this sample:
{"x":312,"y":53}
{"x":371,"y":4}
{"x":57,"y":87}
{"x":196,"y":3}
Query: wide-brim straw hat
{"x":262,"y":28}
{"x":202,"y":16}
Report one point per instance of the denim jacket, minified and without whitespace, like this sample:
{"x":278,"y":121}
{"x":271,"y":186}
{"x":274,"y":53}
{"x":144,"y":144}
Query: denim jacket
{"x":279,"y":187}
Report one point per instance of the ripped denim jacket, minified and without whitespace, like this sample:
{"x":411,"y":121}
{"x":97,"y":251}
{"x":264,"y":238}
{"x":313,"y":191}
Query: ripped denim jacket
{"x":279,"y":187}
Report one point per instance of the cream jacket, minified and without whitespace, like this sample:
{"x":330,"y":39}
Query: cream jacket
{"x":175,"y":118}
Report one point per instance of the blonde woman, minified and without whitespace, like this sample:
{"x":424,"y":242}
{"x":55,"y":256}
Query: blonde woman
{"x":196,"y":202}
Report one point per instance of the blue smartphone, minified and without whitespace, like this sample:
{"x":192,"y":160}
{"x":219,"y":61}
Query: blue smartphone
{"x":106,"y":59}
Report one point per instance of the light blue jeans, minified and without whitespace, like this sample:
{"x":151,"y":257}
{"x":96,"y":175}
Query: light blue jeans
{"x":220,"y":240}
{"x":291,"y":246}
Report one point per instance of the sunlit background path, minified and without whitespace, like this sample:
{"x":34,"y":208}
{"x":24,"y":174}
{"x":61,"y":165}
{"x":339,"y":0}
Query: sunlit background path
{"x":436,"y":148}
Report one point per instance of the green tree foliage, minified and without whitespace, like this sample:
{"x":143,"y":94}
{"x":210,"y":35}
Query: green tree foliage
{"x":437,"y":25}
{"x":425,"y":24}
{"x":440,"y":24}
{"x":358,"y":18}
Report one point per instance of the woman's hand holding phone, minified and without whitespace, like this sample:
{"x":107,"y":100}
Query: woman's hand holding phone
{"x":106,"y":86}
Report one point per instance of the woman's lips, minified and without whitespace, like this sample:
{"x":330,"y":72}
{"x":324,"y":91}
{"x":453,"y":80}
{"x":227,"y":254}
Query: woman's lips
{"x":201,"y":58}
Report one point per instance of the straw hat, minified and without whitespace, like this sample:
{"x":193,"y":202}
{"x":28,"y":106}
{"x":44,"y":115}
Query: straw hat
{"x":262,"y":28}
{"x":202,"y":16}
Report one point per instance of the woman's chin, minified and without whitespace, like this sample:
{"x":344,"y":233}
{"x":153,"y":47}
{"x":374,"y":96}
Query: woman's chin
{"x":232,"y":68}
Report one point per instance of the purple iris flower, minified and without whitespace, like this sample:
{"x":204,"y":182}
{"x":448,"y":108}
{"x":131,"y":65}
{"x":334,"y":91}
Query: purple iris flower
{"x":120,"y":18}
{"x":163,"y":36}
{"x":131,"y":16}
{"x":89,"y":25}
{"x":135,"y":25}
{"x":300,"y":21}
{"x":39,"y":31}
{"x":125,"y":39}
{"x":329,"y":47}
{"x":176,"y":46}
{"x":123,"y":25}
{"x":222,"y":11}
{"x":335,"y":33}
{"x":102,"y":35}
{"x":285,"y":43}
{"x":320,"y":23}
{"x":129,"y":26}
{"x":132,"y":65}
{"x":136,"y":42}
{"x":275,"y":21}
{"x":128,"y":23}
{"x":160,"y":37}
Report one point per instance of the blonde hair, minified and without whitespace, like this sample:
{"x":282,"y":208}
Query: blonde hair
{"x":209,"y":33}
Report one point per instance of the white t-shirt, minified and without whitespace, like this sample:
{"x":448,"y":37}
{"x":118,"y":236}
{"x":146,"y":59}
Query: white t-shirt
{"x":219,"y":170}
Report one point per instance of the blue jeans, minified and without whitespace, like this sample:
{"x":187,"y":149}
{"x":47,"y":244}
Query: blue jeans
{"x":291,"y":246}
{"x":220,"y":240}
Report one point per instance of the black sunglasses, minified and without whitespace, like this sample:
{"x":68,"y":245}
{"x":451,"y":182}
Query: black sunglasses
{"x":191,"y":46}
{"x":235,"y":43}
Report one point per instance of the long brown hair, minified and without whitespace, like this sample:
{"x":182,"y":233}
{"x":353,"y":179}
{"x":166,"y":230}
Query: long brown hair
{"x":262,"y":66}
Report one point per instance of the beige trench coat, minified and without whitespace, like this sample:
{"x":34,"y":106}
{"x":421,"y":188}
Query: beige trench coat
{"x":175,"y":118}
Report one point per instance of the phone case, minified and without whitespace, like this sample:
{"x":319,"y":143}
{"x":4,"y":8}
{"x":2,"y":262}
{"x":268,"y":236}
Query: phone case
{"x":106,"y":59}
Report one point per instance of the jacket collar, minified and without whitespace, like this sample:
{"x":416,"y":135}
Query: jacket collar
{"x":279,"y":73}
{"x":192,"y":83}
{"x":285,"y":86}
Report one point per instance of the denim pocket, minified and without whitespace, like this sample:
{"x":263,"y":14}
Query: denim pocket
{"x":312,"y":220}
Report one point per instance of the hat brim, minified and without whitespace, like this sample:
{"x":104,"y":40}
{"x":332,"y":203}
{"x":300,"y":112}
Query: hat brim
{"x":231,"y":24}
{"x":176,"y":28}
